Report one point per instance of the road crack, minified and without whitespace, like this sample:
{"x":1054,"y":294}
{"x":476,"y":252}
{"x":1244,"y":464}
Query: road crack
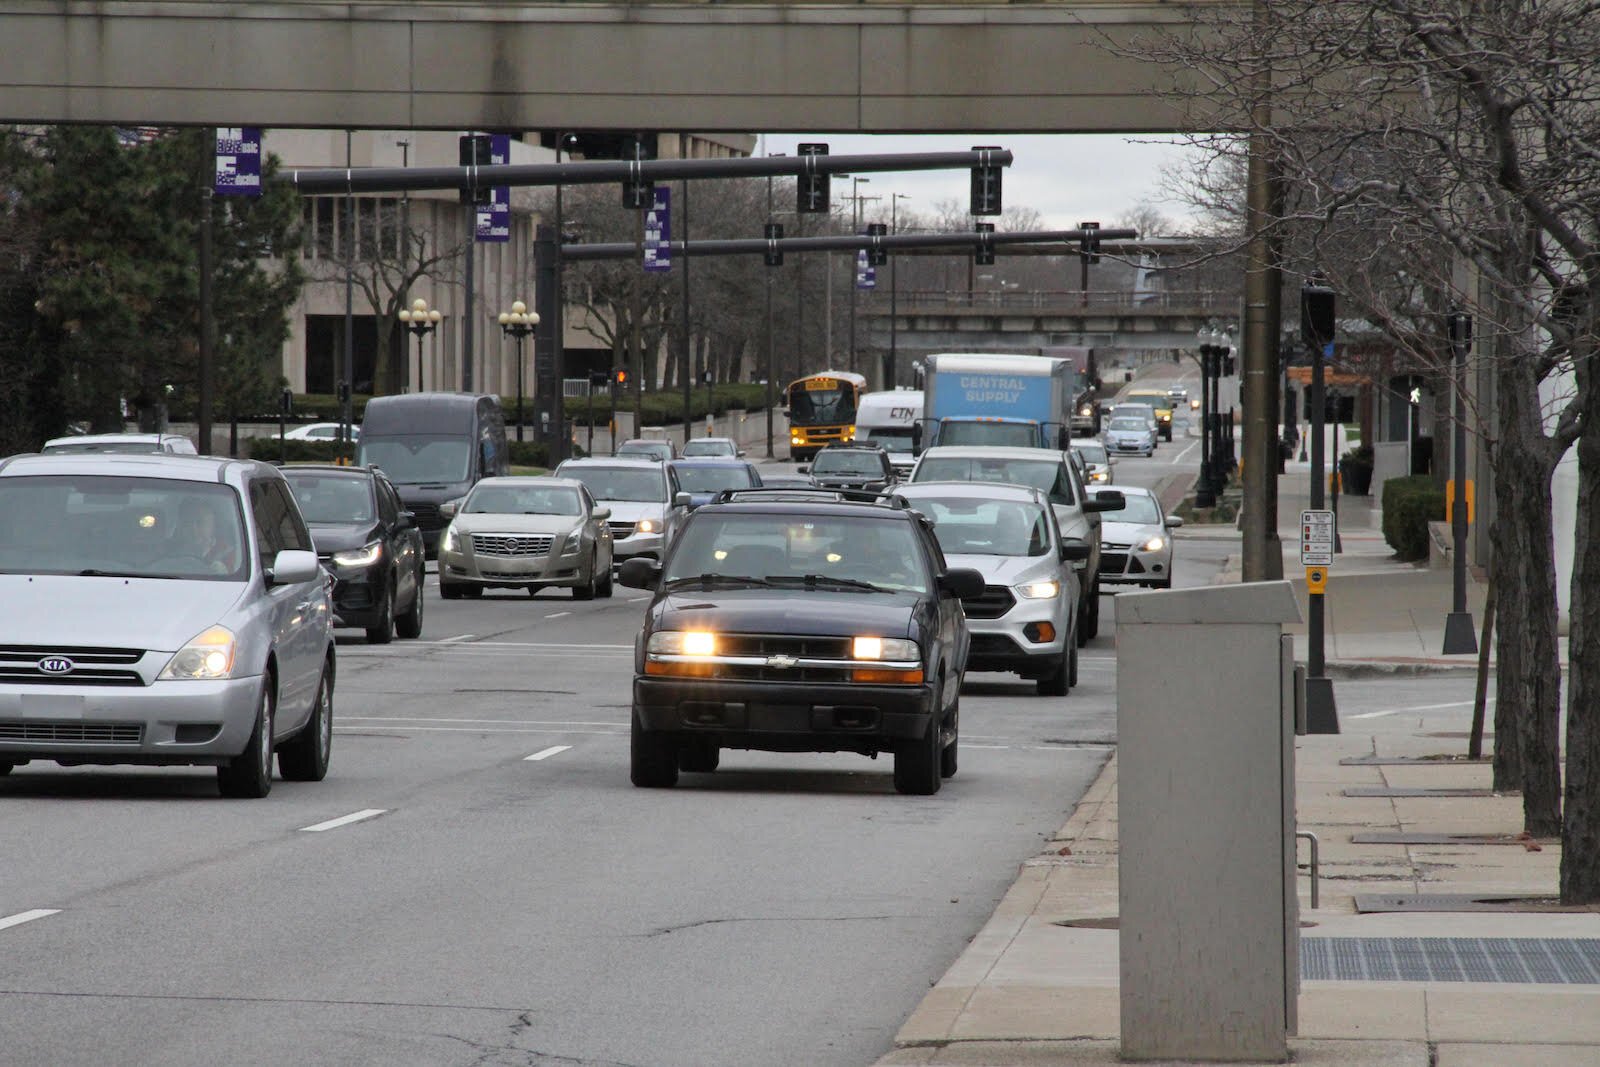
{"x":680,"y":927}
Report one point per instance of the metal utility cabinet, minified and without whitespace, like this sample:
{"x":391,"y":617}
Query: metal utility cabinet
{"x":1209,"y":912}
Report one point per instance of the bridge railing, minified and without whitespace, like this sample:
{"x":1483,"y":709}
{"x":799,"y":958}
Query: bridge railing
{"x":1194,"y":300}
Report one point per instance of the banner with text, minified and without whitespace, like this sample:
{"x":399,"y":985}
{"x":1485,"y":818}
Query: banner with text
{"x":658,"y":232}
{"x":238,"y":161}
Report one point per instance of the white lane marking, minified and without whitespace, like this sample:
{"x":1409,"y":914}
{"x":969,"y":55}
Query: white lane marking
{"x":637,"y":599}
{"x":986,"y":746}
{"x":553,"y":750}
{"x":344,"y":820}
{"x":511,"y":644}
{"x":1417,"y":707}
{"x":620,"y":731}
{"x":1179,"y":457}
{"x":27,"y":917}
{"x":457,"y":637}
{"x":559,"y":615}
{"x":497,"y":722}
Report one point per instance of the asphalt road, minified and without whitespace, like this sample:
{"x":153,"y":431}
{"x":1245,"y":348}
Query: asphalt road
{"x":500,"y":894}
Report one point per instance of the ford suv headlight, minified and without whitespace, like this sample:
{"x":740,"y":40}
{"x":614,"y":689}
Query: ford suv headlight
{"x":357,"y":558}
{"x":208,"y":657}
{"x":1039,"y":590}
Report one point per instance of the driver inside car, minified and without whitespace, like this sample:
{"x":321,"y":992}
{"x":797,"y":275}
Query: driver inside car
{"x":196,"y":537}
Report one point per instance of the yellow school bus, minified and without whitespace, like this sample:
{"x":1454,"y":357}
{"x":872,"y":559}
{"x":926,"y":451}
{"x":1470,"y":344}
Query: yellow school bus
{"x":822,"y":411}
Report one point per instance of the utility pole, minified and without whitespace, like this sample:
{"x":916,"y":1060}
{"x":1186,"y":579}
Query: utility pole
{"x":1263,"y":284}
{"x":1458,"y":632}
{"x":1317,"y":328}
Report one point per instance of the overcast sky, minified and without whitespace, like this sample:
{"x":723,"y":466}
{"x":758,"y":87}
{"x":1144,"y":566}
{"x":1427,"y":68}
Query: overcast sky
{"x":1067,"y":178}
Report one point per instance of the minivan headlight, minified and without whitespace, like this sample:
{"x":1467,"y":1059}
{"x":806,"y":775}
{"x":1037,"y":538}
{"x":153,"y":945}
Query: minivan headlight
{"x":208,"y":657}
{"x":647,"y":526}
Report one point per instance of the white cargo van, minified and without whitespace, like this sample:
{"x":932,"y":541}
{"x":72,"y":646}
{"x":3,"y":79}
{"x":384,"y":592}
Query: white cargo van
{"x":889,"y":419}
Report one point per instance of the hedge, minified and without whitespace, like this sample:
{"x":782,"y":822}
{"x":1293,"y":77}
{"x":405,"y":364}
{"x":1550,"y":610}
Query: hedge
{"x":270,"y":449}
{"x":665,"y":407}
{"x":1409,"y":504}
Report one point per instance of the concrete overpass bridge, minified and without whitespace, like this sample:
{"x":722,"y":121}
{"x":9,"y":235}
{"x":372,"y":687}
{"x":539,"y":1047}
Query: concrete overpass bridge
{"x":457,"y":64}
{"x":967,"y":321}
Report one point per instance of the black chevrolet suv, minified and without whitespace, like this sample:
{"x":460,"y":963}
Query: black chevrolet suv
{"x":853,"y":466}
{"x":369,"y":542}
{"x":795,"y":621}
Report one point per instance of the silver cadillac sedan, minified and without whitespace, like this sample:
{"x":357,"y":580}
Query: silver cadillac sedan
{"x":527,"y":533}
{"x":162,"y":610}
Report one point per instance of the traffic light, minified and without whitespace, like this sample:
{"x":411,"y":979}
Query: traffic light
{"x":1316,"y":315}
{"x":1089,"y":243}
{"x":986,"y":183}
{"x":877,"y":255}
{"x":774,"y":254}
{"x":637,"y":195}
{"x":983,"y":254}
{"x":812,"y":189}
{"x":621,"y":376}
{"x":598,"y":379}
{"x":474,"y":151}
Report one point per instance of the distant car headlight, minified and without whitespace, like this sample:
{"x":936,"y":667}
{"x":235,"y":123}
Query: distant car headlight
{"x":682,"y":643}
{"x":647,"y":526}
{"x":1099,"y":476}
{"x":1086,"y":411}
{"x":452,"y":539}
{"x":1155,"y":544}
{"x":884,"y":648}
{"x":357,"y":558}
{"x":208,"y":657}
{"x":1039,"y":590}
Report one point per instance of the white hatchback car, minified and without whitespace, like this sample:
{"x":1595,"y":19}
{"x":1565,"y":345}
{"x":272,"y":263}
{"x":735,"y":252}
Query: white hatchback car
{"x":1136,"y":542}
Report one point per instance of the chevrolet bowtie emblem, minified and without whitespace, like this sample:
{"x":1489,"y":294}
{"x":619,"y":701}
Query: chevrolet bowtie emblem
{"x":784,"y":662}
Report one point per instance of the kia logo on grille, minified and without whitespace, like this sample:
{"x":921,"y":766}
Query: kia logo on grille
{"x":57,"y":665}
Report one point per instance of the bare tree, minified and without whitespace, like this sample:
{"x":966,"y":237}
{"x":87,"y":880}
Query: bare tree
{"x":1459,"y":144}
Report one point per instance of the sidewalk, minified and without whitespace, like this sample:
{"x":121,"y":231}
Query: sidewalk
{"x":1038,"y":985}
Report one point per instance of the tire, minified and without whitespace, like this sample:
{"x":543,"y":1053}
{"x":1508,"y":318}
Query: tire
{"x":409,"y":625}
{"x":587,"y":591}
{"x":1165,"y":583}
{"x":1059,"y":681}
{"x":472,"y":592}
{"x":1091,"y":620}
{"x":698,"y":755}
{"x":948,"y":754}
{"x":1072,"y":670}
{"x":304,"y":757}
{"x":449,"y":591}
{"x":652,"y":757}
{"x":607,"y":585}
{"x":248,"y":776}
{"x":916,"y":763}
{"x":382,"y":632}
{"x":5,"y":769}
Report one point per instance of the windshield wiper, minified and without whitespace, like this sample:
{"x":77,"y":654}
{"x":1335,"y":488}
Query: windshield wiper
{"x":711,"y":581}
{"x":813,"y":580}
{"x":92,"y":572}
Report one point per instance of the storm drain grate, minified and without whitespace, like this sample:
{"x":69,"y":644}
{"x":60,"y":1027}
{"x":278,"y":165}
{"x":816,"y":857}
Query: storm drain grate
{"x":1371,"y":903}
{"x":1404,"y":791}
{"x":1542,"y":960}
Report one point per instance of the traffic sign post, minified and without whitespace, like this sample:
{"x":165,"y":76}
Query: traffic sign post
{"x":1317,"y":533}
{"x":1318,"y":528}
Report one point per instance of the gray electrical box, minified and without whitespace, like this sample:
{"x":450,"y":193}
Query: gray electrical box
{"x":1205,"y":750}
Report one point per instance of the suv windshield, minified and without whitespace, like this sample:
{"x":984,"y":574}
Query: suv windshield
{"x":883,"y":552}
{"x":621,"y":483}
{"x":847,"y":462}
{"x":1048,"y":476}
{"x":411,"y":460}
{"x":713,"y":479}
{"x":986,"y":527}
{"x":121,"y":527}
{"x":331,"y":499}
{"x":489,"y":499}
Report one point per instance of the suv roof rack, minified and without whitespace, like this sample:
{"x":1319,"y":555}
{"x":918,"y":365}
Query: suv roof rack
{"x":842,"y":496}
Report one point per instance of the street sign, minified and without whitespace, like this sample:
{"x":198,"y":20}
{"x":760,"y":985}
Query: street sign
{"x":658,"y":231}
{"x":1316,"y":538}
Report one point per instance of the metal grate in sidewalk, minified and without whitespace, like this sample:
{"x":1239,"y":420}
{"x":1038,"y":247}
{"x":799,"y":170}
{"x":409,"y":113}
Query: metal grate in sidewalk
{"x":1520,"y":960}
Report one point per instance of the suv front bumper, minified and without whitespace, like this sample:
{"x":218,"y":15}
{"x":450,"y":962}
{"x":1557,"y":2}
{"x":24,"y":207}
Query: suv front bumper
{"x":1007,"y":643}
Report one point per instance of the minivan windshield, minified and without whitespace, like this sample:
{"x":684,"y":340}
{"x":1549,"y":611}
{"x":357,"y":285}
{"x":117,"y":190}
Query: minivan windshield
{"x":413,"y":459}
{"x":116,"y":527}
{"x":632,"y":484}
{"x":328,"y":499}
{"x":859,"y":553}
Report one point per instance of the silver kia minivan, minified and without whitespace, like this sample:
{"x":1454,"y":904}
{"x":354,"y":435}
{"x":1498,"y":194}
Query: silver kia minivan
{"x":162,"y":610}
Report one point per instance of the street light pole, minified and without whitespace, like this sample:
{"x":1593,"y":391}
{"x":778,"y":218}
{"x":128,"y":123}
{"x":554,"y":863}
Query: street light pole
{"x":1459,"y":636}
{"x":420,"y":322}
{"x":855,"y":229}
{"x":518,"y":323}
{"x":1205,"y":495}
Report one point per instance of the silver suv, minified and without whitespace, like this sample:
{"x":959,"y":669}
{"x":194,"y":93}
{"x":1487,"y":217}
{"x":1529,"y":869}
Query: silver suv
{"x":643,"y":495}
{"x":1026,"y":619}
{"x":162,"y":610}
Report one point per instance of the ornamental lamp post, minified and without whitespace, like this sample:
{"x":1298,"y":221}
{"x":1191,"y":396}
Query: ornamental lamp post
{"x":519,"y":323}
{"x":420,"y":321}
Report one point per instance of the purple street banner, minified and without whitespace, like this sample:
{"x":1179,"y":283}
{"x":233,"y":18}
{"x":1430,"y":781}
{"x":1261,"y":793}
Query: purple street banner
{"x":866,"y":273}
{"x":494,"y":218}
{"x":238,"y":161}
{"x":658,"y":232}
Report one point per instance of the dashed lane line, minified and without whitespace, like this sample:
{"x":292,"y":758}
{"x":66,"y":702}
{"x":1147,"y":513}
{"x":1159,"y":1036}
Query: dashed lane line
{"x":344,"y":820}
{"x":553,"y":750}
{"x":494,"y":722}
{"x":27,"y":917}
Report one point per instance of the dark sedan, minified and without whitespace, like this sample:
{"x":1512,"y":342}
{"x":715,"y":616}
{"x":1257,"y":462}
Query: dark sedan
{"x":370,"y":544}
{"x":789,"y":625}
{"x":703,"y":478}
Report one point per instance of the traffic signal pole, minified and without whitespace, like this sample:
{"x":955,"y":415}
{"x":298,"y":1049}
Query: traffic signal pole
{"x":1317,"y":328}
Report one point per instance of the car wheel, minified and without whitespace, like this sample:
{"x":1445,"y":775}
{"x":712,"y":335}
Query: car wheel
{"x":5,"y":768}
{"x":1059,"y":681}
{"x":947,"y":755}
{"x":1165,"y":583}
{"x":653,"y":757}
{"x":916,"y":763}
{"x":587,"y":589}
{"x":304,"y":757}
{"x":607,"y":585}
{"x":472,"y":592}
{"x":1072,"y":670}
{"x":449,"y":590}
{"x":698,"y":755}
{"x":1091,"y":628}
{"x":248,"y":776}
{"x":382,"y":632}
{"x":409,"y":625}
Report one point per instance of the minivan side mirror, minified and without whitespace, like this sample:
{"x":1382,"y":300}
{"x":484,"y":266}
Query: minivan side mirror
{"x":640,"y":573}
{"x":293,"y":566}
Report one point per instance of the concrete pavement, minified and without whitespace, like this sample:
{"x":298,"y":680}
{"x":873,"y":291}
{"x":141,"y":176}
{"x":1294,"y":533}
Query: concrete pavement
{"x":1039,"y":984}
